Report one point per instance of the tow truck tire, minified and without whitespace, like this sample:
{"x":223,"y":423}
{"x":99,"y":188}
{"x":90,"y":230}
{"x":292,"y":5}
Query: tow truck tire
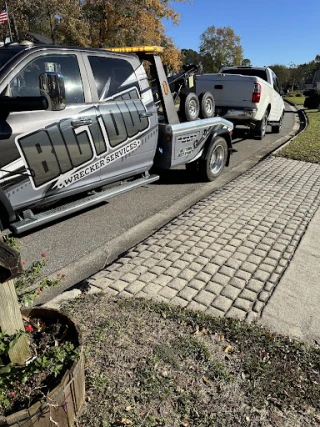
{"x":215,"y":159}
{"x":193,"y":168}
{"x":261,"y":127}
{"x":207,"y":105}
{"x":189,"y":106}
{"x":3,"y":219}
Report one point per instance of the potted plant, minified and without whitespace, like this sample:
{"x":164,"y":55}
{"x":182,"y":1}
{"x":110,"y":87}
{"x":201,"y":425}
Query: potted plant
{"x":41,"y":358}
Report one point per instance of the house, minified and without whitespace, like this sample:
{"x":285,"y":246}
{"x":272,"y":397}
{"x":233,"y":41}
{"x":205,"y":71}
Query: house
{"x":316,"y":80}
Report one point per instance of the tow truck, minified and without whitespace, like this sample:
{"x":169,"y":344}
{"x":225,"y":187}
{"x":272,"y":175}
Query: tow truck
{"x":79,"y":126}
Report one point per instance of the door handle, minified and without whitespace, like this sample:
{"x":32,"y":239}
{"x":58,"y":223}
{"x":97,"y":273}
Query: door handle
{"x":81,"y":122}
{"x":144,"y":114}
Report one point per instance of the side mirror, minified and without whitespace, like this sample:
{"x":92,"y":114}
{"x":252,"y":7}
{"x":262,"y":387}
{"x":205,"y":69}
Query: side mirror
{"x":53,"y":88}
{"x":10,"y":104}
{"x":53,"y":96}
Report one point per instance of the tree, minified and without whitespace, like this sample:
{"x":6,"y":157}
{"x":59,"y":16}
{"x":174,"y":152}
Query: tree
{"x":190,"y":56}
{"x":98,"y":23}
{"x":223,"y":46}
{"x":61,"y":21}
{"x":132,"y":22}
{"x":246,"y":62}
{"x":283,"y":74}
{"x":171,"y":55}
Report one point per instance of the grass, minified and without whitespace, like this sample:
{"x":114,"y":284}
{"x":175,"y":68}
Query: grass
{"x":150,"y":364}
{"x":306,"y":146}
{"x":299,"y":100}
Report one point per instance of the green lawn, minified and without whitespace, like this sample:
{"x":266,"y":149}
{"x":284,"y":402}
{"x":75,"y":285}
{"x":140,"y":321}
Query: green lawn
{"x":299,"y":100}
{"x":306,"y":146}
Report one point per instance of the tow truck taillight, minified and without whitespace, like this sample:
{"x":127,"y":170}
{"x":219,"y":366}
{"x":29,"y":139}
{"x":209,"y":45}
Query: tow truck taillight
{"x":256,"y":94}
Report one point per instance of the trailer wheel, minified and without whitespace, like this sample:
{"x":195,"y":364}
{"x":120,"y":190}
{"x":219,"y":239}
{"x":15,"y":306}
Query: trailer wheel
{"x":215,"y":160}
{"x":189,"y":106}
{"x":207,"y":105}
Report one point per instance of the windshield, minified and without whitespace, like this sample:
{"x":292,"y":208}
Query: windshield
{"x":247,"y":72}
{"x":6,"y":55}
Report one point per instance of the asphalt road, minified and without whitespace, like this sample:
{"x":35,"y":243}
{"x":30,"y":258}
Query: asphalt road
{"x":81,"y":245}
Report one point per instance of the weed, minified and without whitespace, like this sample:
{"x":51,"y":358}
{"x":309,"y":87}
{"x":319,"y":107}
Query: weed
{"x":161,"y":365}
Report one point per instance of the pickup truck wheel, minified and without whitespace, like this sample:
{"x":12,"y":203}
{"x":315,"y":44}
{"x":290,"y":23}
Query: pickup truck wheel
{"x":215,"y":160}
{"x":277,"y":128}
{"x":189,"y":106}
{"x":207,"y":105}
{"x":261,"y":127}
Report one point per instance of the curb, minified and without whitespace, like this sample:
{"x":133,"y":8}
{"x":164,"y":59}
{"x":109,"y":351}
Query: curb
{"x":304,"y":122}
{"x":105,"y":255}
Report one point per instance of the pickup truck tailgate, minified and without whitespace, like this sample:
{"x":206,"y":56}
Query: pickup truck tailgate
{"x":228,"y":90}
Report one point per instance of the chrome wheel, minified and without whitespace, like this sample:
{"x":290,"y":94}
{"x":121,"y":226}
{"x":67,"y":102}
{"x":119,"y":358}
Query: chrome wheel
{"x":217,"y":159}
{"x":208,"y":107}
{"x":193,"y":108}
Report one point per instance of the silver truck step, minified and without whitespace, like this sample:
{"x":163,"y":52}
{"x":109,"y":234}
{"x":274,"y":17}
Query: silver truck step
{"x":72,"y":207}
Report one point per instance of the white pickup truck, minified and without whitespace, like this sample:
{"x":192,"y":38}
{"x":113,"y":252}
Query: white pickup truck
{"x":246,"y":95}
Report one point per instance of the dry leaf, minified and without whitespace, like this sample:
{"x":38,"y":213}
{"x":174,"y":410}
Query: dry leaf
{"x":221,"y":337}
{"x":205,"y":380}
{"x":128,"y":408}
{"x":184,"y":423}
{"x":124,"y":422}
{"x":227,"y":348}
{"x":164,"y":315}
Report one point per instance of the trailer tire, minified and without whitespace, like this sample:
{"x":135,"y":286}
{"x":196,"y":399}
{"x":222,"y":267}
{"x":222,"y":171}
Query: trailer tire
{"x":189,"y":106}
{"x":213,"y":164}
{"x":207,"y":105}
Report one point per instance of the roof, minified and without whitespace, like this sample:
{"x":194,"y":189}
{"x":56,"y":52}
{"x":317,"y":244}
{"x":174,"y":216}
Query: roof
{"x":316,"y":77}
{"x":28,"y":45}
{"x":244,"y":67}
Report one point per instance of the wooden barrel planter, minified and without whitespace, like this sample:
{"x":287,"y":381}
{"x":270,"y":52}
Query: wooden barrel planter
{"x":63,"y":403}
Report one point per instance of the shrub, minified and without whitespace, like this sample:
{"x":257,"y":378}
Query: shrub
{"x":313,"y":101}
{"x":294,"y":93}
{"x":308,"y":92}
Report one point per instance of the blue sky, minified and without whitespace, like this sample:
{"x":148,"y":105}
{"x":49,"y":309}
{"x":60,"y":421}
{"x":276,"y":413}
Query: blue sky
{"x":272,"y":31}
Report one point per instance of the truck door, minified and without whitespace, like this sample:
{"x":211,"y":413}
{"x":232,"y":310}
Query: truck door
{"x":277,"y":104}
{"x":42,"y":150}
{"x":126,"y":114}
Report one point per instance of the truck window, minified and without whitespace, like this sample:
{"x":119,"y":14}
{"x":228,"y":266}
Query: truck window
{"x":275,"y":83}
{"x":26,"y":83}
{"x":112,"y":75}
{"x":247,"y":72}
